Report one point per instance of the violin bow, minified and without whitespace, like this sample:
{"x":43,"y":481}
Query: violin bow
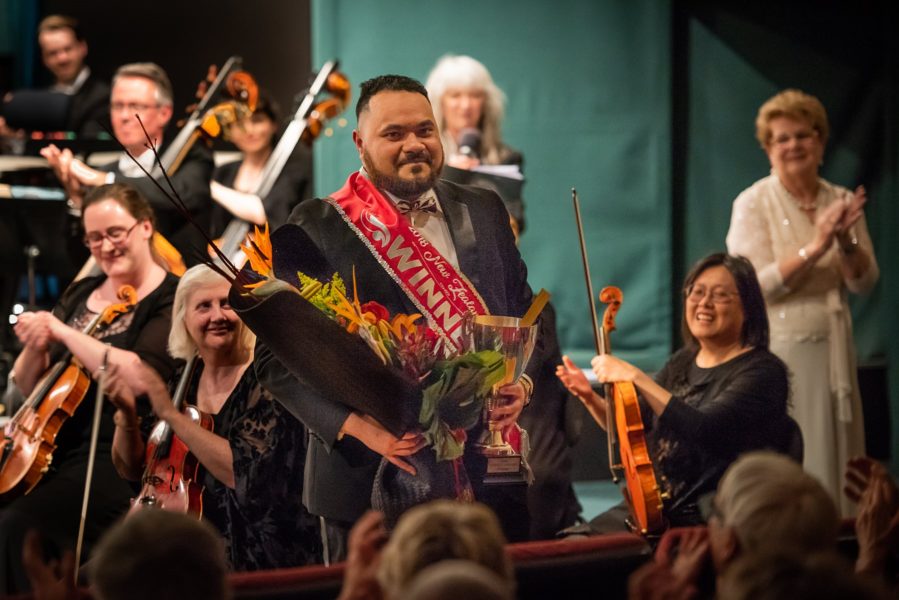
{"x":91,"y":458}
{"x":599,"y":338}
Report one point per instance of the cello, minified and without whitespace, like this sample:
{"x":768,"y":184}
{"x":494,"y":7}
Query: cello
{"x":169,"y":481}
{"x":29,"y":438}
{"x":624,"y":423}
{"x":306,"y":124}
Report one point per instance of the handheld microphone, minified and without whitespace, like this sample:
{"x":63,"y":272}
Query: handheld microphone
{"x":469,"y":142}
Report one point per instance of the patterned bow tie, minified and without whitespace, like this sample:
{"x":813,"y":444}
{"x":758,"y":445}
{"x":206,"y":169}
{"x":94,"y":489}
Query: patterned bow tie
{"x":426,"y":203}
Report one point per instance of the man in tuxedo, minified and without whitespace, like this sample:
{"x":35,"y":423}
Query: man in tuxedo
{"x":144,"y":90}
{"x":63,"y":50}
{"x":467,"y":228}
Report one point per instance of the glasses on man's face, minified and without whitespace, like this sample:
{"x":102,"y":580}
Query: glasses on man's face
{"x":131,"y":107}
{"x":116,"y":235}
{"x":719,"y":295}
{"x":800,"y":137}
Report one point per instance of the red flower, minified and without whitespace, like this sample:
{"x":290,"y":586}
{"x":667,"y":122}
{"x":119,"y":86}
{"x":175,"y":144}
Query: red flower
{"x":379,"y":312}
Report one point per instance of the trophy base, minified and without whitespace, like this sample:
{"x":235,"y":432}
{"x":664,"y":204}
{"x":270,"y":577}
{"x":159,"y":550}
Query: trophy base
{"x":499,"y":466}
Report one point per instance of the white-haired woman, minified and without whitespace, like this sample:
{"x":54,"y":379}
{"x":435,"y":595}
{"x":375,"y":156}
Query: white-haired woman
{"x":253,"y":458}
{"x":469,"y":109}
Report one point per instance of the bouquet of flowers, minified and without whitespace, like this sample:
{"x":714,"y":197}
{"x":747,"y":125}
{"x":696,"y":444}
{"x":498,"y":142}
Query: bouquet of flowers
{"x":453,"y":388}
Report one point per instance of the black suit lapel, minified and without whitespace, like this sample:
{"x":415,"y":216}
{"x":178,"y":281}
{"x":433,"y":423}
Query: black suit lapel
{"x":461,"y":230}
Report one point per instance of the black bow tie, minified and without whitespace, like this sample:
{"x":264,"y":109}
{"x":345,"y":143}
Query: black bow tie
{"x":426,"y":203}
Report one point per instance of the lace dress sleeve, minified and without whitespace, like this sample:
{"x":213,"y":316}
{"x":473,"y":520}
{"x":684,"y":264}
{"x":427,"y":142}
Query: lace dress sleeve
{"x":749,"y":236}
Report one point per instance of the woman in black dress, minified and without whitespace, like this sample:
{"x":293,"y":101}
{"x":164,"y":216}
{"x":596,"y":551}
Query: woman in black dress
{"x":234,"y":184}
{"x":118,"y":225}
{"x":252,"y":460}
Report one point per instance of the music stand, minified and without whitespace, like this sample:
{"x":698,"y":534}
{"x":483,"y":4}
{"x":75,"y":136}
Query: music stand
{"x":508,"y":188}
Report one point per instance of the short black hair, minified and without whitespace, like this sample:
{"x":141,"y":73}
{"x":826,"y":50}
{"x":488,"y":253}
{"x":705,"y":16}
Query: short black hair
{"x":387,"y":83}
{"x":755,"y":316}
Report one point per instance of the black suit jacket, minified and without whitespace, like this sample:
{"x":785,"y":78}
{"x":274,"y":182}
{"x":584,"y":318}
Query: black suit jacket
{"x":191,"y":182}
{"x":339,"y":474}
{"x":89,"y":110}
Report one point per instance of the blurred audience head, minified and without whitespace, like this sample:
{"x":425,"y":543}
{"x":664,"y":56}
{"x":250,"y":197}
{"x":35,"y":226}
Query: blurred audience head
{"x":455,"y":579}
{"x":775,"y":575}
{"x":438,"y":531}
{"x":159,"y":554}
{"x":765,"y":500}
{"x":63,"y":50}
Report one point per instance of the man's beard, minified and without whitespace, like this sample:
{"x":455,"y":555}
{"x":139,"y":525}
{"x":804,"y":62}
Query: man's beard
{"x":407,"y":189}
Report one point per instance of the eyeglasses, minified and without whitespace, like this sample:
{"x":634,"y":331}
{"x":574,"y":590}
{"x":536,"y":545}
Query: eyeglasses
{"x":799,"y":136}
{"x":116,"y":236}
{"x":696,"y":293}
{"x":131,"y":107}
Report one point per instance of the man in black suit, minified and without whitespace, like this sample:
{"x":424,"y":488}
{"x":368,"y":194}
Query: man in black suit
{"x":402,"y":156}
{"x":63,"y":50}
{"x":144,"y":89}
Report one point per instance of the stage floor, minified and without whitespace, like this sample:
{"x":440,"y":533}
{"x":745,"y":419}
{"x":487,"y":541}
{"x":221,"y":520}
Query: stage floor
{"x":597,"y":496}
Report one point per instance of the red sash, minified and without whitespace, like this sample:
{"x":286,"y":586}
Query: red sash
{"x":440,"y":292}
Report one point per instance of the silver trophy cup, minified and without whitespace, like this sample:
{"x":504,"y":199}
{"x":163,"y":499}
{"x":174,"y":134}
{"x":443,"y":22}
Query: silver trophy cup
{"x":516,"y":343}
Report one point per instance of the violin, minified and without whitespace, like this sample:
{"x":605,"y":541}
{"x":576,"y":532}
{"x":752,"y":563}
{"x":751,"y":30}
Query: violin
{"x":169,"y":481}
{"x":306,"y":124}
{"x":624,"y":423}
{"x":29,"y":438}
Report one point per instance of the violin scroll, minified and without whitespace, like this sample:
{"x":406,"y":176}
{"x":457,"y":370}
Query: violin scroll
{"x":128,"y":296}
{"x":338,"y":86}
{"x":612,"y":296}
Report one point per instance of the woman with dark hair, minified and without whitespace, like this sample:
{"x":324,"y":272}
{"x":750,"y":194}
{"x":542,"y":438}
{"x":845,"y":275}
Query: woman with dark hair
{"x":723,"y":394}
{"x":118,"y":229}
{"x":234,"y":184}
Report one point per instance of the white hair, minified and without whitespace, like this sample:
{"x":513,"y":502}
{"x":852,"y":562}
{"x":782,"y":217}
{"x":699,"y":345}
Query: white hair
{"x":769,"y":500}
{"x":181,"y":344}
{"x":464,"y":72}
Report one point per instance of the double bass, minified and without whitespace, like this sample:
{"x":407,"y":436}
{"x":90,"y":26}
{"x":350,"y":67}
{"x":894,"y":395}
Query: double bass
{"x":628,"y":452}
{"x":29,"y":438}
{"x":169,"y":481}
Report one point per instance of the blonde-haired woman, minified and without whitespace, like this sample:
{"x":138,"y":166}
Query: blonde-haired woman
{"x":254,"y":456}
{"x":808,"y":240}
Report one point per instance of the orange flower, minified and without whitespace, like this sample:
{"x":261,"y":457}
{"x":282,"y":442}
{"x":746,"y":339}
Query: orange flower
{"x":259,"y":252}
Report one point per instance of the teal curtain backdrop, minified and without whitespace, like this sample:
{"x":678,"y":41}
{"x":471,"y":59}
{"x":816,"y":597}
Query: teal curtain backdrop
{"x":588,"y":86}
{"x":648,"y":108}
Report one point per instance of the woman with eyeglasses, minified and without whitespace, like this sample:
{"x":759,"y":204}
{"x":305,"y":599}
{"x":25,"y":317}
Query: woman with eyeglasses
{"x":118,"y":225}
{"x":721,"y":395}
{"x":808,"y":240}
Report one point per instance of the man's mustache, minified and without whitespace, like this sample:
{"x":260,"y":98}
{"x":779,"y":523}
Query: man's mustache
{"x":423,"y":156}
